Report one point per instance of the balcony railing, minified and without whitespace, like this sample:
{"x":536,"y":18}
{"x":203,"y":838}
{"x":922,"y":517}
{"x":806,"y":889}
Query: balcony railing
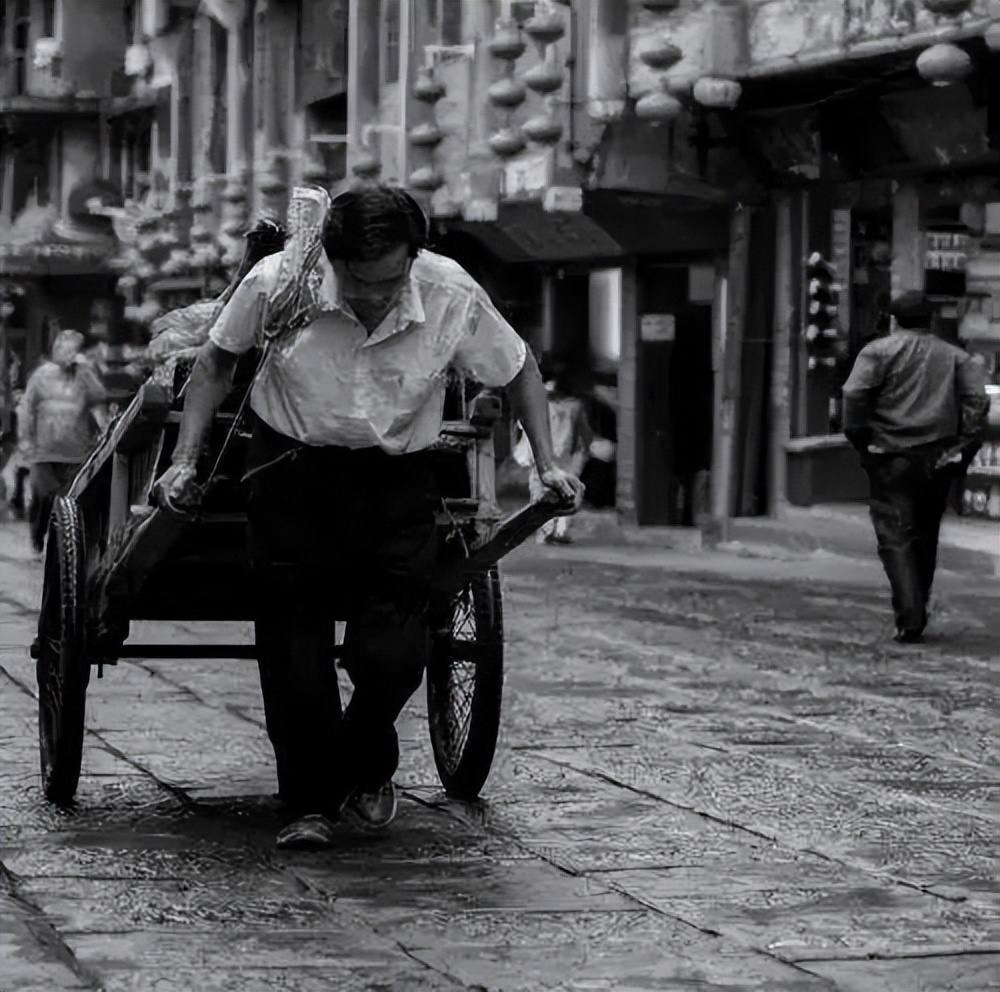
{"x":822,"y":30}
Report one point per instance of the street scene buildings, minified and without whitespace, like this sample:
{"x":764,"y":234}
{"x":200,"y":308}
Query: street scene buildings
{"x":714,"y":770}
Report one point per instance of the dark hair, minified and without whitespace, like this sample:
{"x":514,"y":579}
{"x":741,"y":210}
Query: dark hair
{"x":912,"y":310}
{"x":265,"y":238}
{"x":366,"y":223}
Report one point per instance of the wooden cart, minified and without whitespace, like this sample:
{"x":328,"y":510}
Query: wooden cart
{"x":112,"y":557}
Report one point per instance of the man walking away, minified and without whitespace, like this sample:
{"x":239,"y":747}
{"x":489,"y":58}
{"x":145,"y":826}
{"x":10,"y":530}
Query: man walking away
{"x":915,"y":409}
{"x":58,"y":421}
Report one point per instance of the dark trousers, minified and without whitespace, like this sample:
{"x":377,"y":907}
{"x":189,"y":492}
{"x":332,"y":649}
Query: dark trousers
{"x":349,"y":535}
{"x":908,"y":499}
{"x":48,"y":480}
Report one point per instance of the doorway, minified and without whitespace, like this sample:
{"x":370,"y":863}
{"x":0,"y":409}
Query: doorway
{"x":676,"y":393}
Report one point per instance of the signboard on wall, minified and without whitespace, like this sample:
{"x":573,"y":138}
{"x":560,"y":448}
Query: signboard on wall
{"x":655,"y":327}
{"x":529,"y":175}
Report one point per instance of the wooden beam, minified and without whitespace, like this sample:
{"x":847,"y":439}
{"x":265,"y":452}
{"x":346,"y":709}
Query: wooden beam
{"x":784,"y":315}
{"x":731,"y":309}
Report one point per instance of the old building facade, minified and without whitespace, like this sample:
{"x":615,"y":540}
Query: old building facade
{"x":638,"y":183}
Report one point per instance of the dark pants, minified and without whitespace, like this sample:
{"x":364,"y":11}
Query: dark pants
{"x":338,"y":534}
{"x":48,"y":480}
{"x":907,"y":502}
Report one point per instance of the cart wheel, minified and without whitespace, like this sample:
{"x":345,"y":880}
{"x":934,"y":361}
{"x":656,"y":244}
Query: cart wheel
{"x":465,"y":686}
{"x":62,"y":667}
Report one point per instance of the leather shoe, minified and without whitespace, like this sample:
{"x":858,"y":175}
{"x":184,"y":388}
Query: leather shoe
{"x":308,"y":833}
{"x":375,"y":808}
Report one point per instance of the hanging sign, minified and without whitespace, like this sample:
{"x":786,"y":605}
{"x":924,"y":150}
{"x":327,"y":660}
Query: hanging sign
{"x":657,"y":327}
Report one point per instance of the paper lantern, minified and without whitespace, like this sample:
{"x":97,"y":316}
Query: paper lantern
{"x":662,"y":54}
{"x":425,"y":178}
{"x":543,"y":78}
{"x":367,"y":166}
{"x":425,"y":135}
{"x":507,"y":142}
{"x":427,"y":88}
{"x":710,"y":91}
{"x":545,"y":28}
{"x":658,"y":106}
{"x":944,"y":64}
{"x":543,"y":129}
{"x":507,"y":92}
{"x":507,"y":42}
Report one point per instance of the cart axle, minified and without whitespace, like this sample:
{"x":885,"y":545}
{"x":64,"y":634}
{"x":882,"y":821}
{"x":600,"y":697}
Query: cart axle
{"x":187,"y":651}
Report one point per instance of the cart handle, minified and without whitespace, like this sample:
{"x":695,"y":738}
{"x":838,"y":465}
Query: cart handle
{"x":501,"y":540}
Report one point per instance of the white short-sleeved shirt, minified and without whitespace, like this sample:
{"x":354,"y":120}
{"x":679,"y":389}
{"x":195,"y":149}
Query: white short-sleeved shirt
{"x":331,"y":383}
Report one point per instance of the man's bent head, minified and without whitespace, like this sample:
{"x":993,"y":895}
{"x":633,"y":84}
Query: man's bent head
{"x":366,"y":224}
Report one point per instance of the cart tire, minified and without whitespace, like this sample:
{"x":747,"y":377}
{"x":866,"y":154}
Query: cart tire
{"x":465,"y":686}
{"x":62,"y":669}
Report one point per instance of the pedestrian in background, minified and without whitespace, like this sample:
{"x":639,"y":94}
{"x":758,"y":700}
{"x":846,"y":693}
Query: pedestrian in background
{"x":915,"y":408}
{"x":59,"y":418}
{"x":571,"y":438}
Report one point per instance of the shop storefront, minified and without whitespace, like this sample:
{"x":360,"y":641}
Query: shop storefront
{"x":914,"y":206}
{"x":556,"y":277}
{"x":679,"y":245}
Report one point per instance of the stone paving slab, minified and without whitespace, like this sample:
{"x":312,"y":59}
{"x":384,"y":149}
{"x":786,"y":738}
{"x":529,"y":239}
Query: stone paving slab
{"x":32,"y":960}
{"x":933,"y":973}
{"x":712,"y":696}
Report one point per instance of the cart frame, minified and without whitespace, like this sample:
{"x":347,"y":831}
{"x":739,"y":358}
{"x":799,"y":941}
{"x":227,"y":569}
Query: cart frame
{"x":112,"y":555}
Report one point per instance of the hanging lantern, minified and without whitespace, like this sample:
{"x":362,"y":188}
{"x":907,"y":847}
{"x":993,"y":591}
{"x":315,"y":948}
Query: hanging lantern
{"x":507,"y":92}
{"x":662,"y":54}
{"x":658,"y":106}
{"x":367,"y":166}
{"x":943,"y":64}
{"x":200,"y":235}
{"x":992,"y":36}
{"x":543,"y":129}
{"x":543,"y":78}
{"x":234,"y":191}
{"x":506,"y":42}
{"x":271,"y":182}
{"x":507,"y":142}
{"x":681,"y":87}
{"x":425,"y":178}
{"x":949,"y":7}
{"x":545,"y":28}
{"x":315,"y":171}
{"x":427,"y":88}
{"x":425,"y":135}
{"x":710,"y":91}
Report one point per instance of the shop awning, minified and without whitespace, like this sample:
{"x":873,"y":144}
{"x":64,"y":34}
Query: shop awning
{"x":648,"y":224}
{"x":53,"y":260}
{"x":526,"y":233}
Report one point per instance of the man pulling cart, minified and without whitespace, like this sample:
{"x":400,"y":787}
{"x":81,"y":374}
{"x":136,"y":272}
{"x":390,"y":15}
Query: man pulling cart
{"x":359,"y":327}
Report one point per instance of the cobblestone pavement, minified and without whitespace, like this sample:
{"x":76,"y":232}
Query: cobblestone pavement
{"x":715,"y":772}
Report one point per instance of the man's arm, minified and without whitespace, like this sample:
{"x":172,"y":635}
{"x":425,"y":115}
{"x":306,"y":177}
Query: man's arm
{"x":859,"y":393}
{"x":233,"y":333}
{"x":26,"y":418}
{"x":973,"y":408}
{"x":530,"y":404}
{"x":206,"y":389}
